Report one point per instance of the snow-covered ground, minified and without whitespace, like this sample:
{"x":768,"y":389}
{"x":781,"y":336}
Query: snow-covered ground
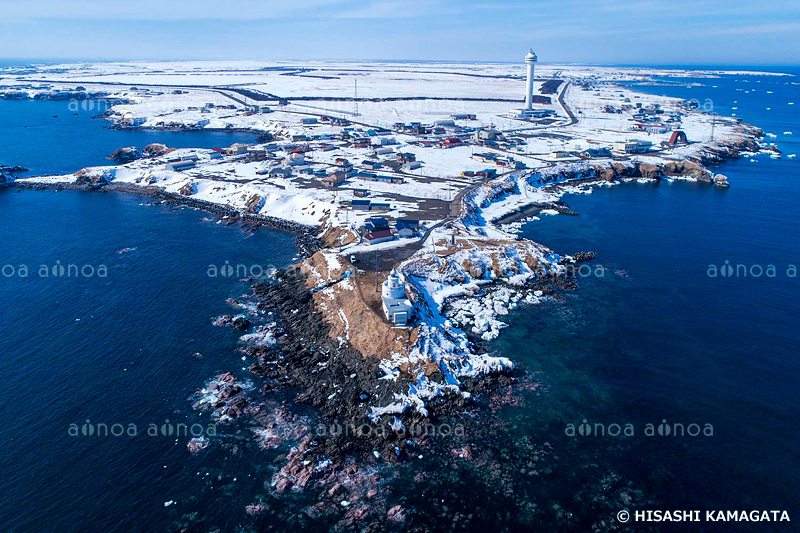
{"x":216,"y":95}
{"x":469,"y":271}
{"x":589,"y":111}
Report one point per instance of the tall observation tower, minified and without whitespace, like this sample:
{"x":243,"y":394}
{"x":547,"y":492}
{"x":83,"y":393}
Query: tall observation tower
{"x":530,"y":62}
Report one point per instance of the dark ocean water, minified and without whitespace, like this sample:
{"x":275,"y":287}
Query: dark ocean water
{"x":657,"y":338}
{"x":113,"y":349}
{"x":52,"y":137}
{"x":653,"y":339}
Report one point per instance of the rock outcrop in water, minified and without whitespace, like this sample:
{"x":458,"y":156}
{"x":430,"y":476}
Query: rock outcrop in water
{"x":240,"y":322}
{"x":584,"y":256}
{"x":12,"y":169}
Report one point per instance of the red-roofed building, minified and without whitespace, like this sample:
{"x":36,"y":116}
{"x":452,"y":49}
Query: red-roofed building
{"x":450,"y":142}
{"x":678,"y":137}
{"x":379,"y":236}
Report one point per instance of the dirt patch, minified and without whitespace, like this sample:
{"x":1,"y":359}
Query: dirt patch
{"x":352,"y":316}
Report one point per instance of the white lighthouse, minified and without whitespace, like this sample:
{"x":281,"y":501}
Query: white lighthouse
{"x":530,"y":62}
{"x":395,"y":304}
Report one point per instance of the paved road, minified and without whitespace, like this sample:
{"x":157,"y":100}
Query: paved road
{"x":565,"y":107}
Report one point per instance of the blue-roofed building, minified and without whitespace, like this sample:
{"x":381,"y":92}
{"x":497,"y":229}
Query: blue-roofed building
{"x":368,"y":163}
{"x":377,"y":224}
{"x":407,"y":227}
{"x":409,"y":223}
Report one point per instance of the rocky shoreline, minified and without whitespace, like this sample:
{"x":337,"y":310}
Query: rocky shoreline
{"x":304,"y":342}
{"x":262,"y":136}
{"x":337,"y":469}
{"x":613,"y":172}
{"x":343,"y":380}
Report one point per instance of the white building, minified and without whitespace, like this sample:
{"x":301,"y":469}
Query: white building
{"x":296,"y":159}
{"x":383,"y":141}
{"x":528,"y":112}
{"x":396,"y":306}
{"x":530,"y":63}
{"x":487,"y":134}
{"x":634,"y":146}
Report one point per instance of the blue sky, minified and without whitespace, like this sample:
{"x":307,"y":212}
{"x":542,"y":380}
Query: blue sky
{"x":645,"y":32}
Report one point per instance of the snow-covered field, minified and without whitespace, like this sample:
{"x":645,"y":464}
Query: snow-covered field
{"x":217,"y":95}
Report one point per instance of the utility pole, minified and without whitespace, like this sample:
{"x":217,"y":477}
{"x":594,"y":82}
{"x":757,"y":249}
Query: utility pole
{"x":713,"y":123}
{"x":376,"y":271}
{"x":355,"y":99}
{"x":346,"y":223}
